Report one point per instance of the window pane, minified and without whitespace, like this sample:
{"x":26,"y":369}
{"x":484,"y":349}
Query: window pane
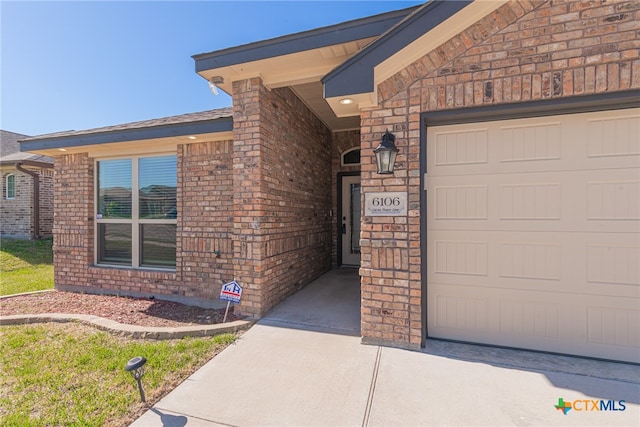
{"x":351,"y":158}
{"x":355,"y":218}
{"x":11,"y":187}
{"x":158,"y":177}
{"x":158,"y":245}
{"x":114,"y":188}
{"x":115,"y":244}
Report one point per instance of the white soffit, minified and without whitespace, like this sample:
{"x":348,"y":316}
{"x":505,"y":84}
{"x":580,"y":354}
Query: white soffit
{"x":144,"y":146}
{"x":312,"y":95}
{"x":289,"y":70}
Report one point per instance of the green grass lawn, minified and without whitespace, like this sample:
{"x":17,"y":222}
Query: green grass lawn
{"x":25,"y":266}
{"x":73,"y":375}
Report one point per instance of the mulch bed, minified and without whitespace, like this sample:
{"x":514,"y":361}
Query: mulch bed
{"x":132,"y":311}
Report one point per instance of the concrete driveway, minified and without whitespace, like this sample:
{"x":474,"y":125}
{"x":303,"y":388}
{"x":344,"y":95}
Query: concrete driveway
{"x":303,"y":365}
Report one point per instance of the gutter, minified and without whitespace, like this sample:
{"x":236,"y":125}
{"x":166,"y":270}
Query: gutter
{"x":36,"y":194}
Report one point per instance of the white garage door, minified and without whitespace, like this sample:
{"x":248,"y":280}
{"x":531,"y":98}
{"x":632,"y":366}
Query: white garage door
{"x":533,"y":233}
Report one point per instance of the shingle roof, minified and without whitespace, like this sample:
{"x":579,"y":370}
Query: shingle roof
{"x":370,"y":26}
{"x":212,"y":121}
{"x":10,"y":149}
{"x":180,"y":119}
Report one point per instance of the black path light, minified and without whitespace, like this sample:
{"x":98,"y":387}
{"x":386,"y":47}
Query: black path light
{"x":135,"y":367}
{"x":386,"y":154}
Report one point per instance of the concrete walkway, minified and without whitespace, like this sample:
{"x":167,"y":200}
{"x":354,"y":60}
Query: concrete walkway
{"x":303,"y":365}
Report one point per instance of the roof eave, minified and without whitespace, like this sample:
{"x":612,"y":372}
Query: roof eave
{"x":32,"y":163}
{"x":223,"y":124}
{"x":358,"y":29}
{"x":356,"y":75}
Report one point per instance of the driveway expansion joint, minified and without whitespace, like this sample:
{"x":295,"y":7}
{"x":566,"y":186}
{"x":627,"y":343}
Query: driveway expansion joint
{"x":372,"y":387}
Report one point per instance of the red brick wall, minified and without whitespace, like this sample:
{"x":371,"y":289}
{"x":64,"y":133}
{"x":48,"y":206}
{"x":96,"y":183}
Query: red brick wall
{"x":523,"y":51}
{"x":282,"y":164}
{"x":73,"y":220}
{"x":46,"y":202}
{"x":249,"y":194}
{"x":17,"y":214}
{"x":204,"y":225}
{"x":205,"y":200}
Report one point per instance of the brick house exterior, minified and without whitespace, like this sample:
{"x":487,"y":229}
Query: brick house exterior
{"x":18,"y":209}
{"x":262,"y":193}
{"x":523,"y":51}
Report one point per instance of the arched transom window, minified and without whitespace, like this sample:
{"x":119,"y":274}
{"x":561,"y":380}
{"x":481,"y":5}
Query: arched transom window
{"x":351,"y":157}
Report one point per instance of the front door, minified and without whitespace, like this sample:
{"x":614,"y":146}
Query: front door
{"x":350,"y":217}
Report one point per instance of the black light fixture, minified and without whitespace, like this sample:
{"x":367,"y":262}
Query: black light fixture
{"x":386,"y":154}
{"x":135,"y":367}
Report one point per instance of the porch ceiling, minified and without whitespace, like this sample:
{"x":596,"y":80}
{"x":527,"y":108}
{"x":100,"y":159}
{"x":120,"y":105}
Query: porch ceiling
{"x":301,"y":71}
{"x":300,"y":61}
{"x":312,"y":95}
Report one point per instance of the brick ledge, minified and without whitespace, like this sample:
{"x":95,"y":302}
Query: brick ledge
{"x":132,"y":331}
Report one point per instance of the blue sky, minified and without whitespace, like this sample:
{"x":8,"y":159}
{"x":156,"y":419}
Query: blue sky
{"x":85,"y":64}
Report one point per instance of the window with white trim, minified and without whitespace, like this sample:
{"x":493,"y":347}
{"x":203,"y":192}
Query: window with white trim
{"x":10,"y":187}
{"x":137,"y":228}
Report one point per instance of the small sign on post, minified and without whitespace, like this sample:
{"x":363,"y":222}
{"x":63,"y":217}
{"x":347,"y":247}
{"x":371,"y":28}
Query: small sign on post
{"x":230,"y":292}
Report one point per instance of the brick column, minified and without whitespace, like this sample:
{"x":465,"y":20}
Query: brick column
{"x":73,"y":220}
{"x":390,"y":263}
{"x":282,"y":194}
{"x":248,"y":195}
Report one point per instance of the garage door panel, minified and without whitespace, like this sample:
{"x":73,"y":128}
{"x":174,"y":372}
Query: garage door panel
{"x":613,"y":198}
{"x":555,"y":201}
{"x":580,"y":263}
{"x":610,"y":324}
{"x":600,"y":327}
{"x":466,"y":313}
{"x":533,"y":233}
{"x":613,"y":134}
{"x":613,"y":264}
{"x":607,"y":140}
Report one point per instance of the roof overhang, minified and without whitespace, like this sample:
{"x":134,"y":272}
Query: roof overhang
{"x":299,"y":60}
{"x":418,"y":34}
{"x":335,"y":70}
{"x":32,"y":163}
{"x":148,"y":139}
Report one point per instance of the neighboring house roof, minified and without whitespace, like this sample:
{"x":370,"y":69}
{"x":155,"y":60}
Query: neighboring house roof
{"x":184,"y":125}
{"x":10,"y":150}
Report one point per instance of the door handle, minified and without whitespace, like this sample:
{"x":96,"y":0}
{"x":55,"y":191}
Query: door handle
{"x":344,"y":228}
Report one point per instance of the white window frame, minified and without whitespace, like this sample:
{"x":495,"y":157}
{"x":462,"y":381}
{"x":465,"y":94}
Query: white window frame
{"x":135,"y":220}
{"x":6,"y":187}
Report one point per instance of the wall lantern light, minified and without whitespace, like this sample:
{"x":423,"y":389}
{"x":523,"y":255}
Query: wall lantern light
{"x":386,"y":154}
{"x":135,"y":367}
